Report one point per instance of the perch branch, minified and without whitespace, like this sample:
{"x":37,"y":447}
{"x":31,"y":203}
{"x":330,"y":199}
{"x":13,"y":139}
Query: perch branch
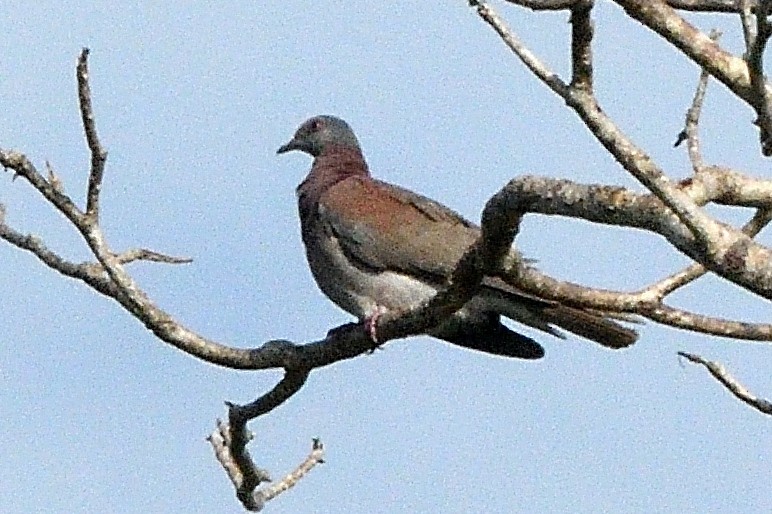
{"x":110,"y":278}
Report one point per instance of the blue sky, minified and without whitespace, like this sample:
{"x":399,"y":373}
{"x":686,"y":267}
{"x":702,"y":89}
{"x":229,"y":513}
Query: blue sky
{"x":192,"y":102}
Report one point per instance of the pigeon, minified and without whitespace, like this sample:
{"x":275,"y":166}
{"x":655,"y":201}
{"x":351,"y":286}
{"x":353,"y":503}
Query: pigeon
{"x":374,"y":247}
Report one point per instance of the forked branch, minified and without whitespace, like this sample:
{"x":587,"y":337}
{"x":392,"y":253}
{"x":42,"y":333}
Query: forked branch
{"x":673,"y":209}
{"x":109,"y":277}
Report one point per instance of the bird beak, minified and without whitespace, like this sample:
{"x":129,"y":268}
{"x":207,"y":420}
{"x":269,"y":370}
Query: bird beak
{"x":292,"y":145}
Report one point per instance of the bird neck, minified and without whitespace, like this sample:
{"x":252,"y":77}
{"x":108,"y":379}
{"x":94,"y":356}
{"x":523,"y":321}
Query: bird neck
{"x":333,"y":164}
{"x":340,"y":162}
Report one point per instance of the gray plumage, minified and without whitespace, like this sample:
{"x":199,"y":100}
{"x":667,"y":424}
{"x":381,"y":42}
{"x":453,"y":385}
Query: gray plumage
{"x":374,"y":246}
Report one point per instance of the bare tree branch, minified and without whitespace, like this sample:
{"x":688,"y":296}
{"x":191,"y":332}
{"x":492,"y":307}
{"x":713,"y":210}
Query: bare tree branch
{"x":665,"y":21}
{"x":98,"y":154}
{"x":716,"y":326}
{"x":706,"y":6}
{"x":315,"y":457}
{"x":748,"y":84}
{"x":608,"y":205}
{"x":721,"y":374}
{"x":581,"y":45}
{"x":536,"y":66}
{"x":244,"y":474}
{"x":610,"y":136}
{"x":143,"y":254}
{"x":53,"y":179}
{"x":669,"y":284}
{"x":690,"y":133}
{"x":239,"y":415}
{"x":746,"y":19}
{"x":755,"y":59}
{"x":220,"y":440}
{"x":720,"y":248}
{"x":674,"y":210}
{"x":545,"y":5}
{"x":110,"y":278}
{"x":84,"y":272}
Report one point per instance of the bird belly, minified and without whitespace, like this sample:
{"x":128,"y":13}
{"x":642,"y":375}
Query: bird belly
{"x":357,"y":290}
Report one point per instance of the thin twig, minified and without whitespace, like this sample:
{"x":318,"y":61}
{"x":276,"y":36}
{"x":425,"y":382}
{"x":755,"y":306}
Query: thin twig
{"x":734,"y":72}
{"x":533,"y":63}
{"x":37,"y":247}
{"x":711,"y":325}
{"x":98,"y":154}
{"x":54,"y":179}
{"x":314,"y":458}
{"x":255,"y":501}
{"x":690,"y":133}
{"x":545,"y":5}
{"x":24,"y":168}
{"x":581,"y":45}
{"x":143,"y":254}
{"x":721,"y":374}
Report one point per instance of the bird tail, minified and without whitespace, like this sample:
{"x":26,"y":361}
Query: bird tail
{"x":542,"y":315}
{"x":491,"y":337}
{"x":591,"y":326}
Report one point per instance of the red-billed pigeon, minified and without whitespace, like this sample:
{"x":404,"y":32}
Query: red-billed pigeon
{"x":374,"y":246}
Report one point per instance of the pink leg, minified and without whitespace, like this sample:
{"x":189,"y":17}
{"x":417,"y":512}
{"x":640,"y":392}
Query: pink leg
{"x":371,"y":322}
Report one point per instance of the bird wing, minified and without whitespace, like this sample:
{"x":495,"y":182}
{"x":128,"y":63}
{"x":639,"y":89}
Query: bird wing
{"x":382,"y":227}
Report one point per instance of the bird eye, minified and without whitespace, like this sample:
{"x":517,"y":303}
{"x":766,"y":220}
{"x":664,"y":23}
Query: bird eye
{"x":315,"y":125}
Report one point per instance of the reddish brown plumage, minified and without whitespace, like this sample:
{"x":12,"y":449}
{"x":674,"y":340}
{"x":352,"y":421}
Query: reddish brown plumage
{"x":372,"y":244}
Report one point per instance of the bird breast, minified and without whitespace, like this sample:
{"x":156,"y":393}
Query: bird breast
{"x":358,"y":290}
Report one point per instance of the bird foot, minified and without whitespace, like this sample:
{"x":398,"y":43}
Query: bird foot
{"x":370,"y":325}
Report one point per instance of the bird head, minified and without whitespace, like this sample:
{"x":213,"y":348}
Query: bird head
{"x":320,"y":132}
